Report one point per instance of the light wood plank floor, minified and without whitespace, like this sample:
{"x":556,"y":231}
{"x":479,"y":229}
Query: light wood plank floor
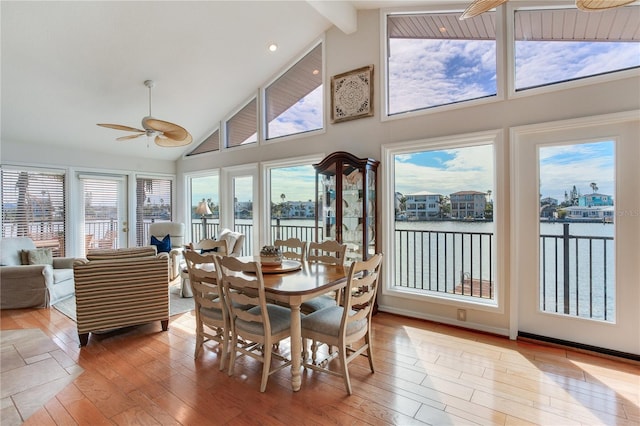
{"x":426,"y":373}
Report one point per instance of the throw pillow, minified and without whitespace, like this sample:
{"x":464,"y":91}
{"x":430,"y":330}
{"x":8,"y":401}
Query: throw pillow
{"x":164,"y":245}
{"x":40,"y":256}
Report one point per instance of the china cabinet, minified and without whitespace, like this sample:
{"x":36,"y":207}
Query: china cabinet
{"x":346,"y":200}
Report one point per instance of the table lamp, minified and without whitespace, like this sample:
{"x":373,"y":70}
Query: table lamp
{"x":203,"y":210}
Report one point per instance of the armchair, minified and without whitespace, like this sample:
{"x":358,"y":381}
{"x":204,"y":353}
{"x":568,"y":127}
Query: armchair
{"x":175,"y":230}
{"x":119,"y":288}
{"x":24,"y":285}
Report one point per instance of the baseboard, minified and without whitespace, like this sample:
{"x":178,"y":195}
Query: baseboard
{"x":580,"y":347}
{"x":445,"y":320}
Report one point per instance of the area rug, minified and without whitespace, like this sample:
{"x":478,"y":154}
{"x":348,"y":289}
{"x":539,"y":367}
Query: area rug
{"x":177,"y":304}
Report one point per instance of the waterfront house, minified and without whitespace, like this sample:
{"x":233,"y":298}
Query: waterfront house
{"x":595,"y":200}
{"x":423,"y":205}
{"x":468,"y":204}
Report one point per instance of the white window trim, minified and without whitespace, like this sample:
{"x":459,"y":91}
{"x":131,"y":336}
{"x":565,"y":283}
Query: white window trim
{"x":501,"y":166}
{"x":265,"y":168}
{"x":262,"y":116}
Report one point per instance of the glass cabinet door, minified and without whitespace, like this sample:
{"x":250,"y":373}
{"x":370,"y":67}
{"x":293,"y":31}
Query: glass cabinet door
{"x":346,"y":202}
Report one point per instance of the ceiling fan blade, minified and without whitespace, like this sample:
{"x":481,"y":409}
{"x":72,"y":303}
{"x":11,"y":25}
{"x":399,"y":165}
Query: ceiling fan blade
{"x":480,"y":6}
{"x":120,"y":127}
{"x":124,"y":138}
{"x":162,"y":140}
{"x":591,"y":5}
{"x":171,"y":130}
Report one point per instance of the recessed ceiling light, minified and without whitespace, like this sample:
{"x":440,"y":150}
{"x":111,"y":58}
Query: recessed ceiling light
{"x":273,"y":47}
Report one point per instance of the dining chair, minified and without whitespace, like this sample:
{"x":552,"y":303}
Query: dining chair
{"x":348,"y":327}
{"x":292,"y":248}
{"x":259,"y":327}
{"x":209,"y":245}
{"x":212,"y":315}
{"x":329,"y":252}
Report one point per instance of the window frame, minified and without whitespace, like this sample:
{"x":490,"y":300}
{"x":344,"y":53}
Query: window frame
{"x":224,"y":133}
{"x":553,"y":87}
{"x":265,"y":174}
{"x":263,"y":126}
{"x":501,"y":166}
{"x":384,"y":54}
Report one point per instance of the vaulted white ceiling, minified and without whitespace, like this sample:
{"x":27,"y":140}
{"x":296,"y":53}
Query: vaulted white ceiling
{"x":69,"y":65}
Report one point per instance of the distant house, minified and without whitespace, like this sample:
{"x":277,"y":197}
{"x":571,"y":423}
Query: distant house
{"x":595,"y":200}
{"x":604,"y":213}
{"x":468,"y":204}
{"x":423,"y":205}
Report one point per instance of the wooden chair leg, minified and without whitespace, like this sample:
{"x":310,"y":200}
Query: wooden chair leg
{"x":345,"y":368}
{"x":165,"y":324}
{"x":265,"y":367}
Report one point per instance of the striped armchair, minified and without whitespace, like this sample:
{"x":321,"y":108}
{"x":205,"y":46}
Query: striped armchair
{"x":119,"y":288}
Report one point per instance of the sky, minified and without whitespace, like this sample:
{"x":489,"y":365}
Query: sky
{"x":562,"y":166}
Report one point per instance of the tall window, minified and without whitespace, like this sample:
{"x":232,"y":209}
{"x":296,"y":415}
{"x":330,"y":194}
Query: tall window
{"x":292,"y":209}
{"x":443,"y":233}
{"x":33,"y":205}
{"x":205,"y":189}
{"x":153,"y":204}
{"x":554,"y":46}
{"x":435,"y":59}
{"x":294,"y":101}
{"x":242,"y":128}
{"x":577,"y":248}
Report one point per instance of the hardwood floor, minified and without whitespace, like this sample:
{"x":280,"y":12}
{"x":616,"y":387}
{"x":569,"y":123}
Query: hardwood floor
{"x":426,"y":373}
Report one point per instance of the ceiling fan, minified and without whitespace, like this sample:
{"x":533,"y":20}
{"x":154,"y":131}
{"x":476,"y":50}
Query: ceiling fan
{"x":481,"y":6}
{"x":166,"y":134}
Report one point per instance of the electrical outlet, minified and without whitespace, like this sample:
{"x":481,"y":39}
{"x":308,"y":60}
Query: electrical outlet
{"x":462,"y":314}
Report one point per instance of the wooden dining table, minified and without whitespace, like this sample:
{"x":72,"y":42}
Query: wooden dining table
{"x":294,"y":287}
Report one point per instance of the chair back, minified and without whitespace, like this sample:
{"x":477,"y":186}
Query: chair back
{"x":329,"y":251}
{"x":292,"y":248}
{"x":235,"y":241}
{"x":207,"y":291}
{"x":208,"y":245}
{"x":360,"y":294}
{"x":243,"y":286}
{"x":175,"y":230}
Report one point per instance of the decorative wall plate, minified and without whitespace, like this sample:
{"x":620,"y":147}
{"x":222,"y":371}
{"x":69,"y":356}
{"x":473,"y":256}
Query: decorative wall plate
{"x":352,"y":94}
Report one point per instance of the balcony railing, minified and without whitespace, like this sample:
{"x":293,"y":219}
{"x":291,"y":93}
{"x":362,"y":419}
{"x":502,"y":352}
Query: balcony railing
{"x":577,"y":275}
{"x":445,"y":262}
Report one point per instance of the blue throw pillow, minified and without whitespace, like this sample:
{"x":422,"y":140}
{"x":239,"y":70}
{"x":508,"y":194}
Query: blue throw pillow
{"x":163,"y":246}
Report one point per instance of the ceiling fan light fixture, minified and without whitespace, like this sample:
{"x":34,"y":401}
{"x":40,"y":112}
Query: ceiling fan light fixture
{"x":480,"y":6}
{"x":593,"y":5}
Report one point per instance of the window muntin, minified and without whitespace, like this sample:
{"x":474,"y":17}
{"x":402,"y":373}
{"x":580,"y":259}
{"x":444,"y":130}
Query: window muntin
{"x":294,"y":102}
{"x":561,"y":45}
{"x":153,"y":204}
{"x":33,"y":205}
{"x":443,"y":233}
{"x":241,"y":129}
{"x":434,"y":59}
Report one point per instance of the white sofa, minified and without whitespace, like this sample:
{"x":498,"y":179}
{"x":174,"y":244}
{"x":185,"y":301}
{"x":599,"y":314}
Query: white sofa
{"x":175,"y":230}
{"x":27,"y":286}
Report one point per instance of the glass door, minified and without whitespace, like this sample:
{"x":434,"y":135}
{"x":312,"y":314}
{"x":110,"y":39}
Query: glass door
{"x":577,"y":228}
{"x":239,"y":205}
{"x":104,"y":211}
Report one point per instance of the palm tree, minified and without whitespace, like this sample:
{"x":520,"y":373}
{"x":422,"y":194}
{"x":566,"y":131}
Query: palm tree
{"x":594,"y":187}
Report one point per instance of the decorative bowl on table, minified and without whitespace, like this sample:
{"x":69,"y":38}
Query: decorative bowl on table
{"x":270,"y":256}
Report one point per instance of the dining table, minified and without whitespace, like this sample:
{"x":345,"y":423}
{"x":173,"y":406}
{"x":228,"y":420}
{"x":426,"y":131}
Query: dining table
{"x":292,"y":283}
